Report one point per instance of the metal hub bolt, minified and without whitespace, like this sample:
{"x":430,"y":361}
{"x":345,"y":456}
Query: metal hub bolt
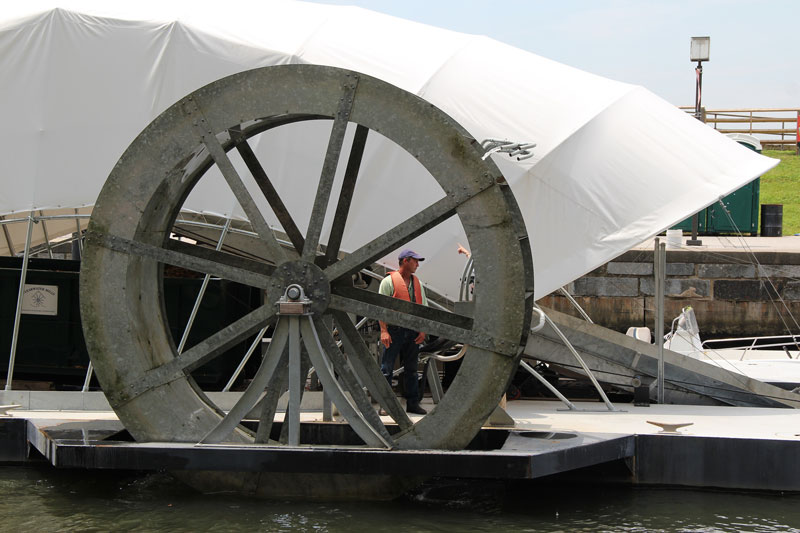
{"x":293,"y":292}
{"x":294,"y":301}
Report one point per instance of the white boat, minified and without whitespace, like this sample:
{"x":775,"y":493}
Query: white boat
{"x":774,"y":359}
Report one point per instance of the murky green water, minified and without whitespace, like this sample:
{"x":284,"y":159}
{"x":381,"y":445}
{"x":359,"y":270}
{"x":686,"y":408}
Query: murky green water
{"x":46,"y":499}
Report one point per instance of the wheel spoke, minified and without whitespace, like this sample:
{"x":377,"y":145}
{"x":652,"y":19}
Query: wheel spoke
{"x":458,"y":328}
{"x":225,"y":166}
{"x":269,"y":403}
{"x":354,"y":417}
{"x":191,"y":257}
{"x":292,"y":416}
{"x":263,"y":376}
{"x":366,"y":369}
{"x":221,"y":264}
{"x":412,"y":227}
{"x":356,"y":391}
{"x":204,"y":351}
{"x":269,"y":191}
{"x":346,"y":194}
{"x":286,"y":427}
{"x":329,"y":169}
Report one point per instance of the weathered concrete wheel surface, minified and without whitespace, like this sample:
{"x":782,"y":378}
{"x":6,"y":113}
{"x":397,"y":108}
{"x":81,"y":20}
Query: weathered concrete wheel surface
{"x":128,"y":242}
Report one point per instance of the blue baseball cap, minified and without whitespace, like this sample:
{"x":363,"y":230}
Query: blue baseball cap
{"x":410,"y":253}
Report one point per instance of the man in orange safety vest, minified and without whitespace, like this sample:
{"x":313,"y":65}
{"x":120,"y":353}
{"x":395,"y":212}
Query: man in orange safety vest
{"x":396,"y":340}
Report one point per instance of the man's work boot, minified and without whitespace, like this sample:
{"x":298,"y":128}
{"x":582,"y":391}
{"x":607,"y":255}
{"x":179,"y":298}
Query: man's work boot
{"x":416,"y":409}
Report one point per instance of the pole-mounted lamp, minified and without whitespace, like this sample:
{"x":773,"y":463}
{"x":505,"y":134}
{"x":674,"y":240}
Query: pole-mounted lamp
{"x":698,"y":51}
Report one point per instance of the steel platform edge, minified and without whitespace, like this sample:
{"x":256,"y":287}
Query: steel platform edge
{"x":534,"y":449}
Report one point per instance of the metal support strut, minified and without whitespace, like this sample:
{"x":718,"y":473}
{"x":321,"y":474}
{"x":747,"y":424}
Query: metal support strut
{"x":659,"y":270}
{"x":575,"y":353}
{"x":202,"y":292}
{"x":549,"y":386}
{"x":18,"y":312}
{"x":534,"y":373}
{"x":464,"y":295}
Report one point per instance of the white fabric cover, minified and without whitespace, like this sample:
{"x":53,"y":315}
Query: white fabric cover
{"x":613,"y":165}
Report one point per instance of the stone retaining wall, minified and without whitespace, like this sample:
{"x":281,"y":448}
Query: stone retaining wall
{"x":732,"y":293}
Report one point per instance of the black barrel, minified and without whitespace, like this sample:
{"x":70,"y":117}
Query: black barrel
{"x":771,"y":220}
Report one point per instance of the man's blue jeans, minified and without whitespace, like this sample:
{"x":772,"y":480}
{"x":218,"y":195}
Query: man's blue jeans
{"x":403,"y":344}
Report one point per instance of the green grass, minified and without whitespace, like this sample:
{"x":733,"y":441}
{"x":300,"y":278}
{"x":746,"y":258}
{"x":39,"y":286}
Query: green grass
{"x":781,"y":185}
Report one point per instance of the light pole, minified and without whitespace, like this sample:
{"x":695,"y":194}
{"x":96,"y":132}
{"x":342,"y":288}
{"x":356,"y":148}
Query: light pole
{"x":698,"y":51}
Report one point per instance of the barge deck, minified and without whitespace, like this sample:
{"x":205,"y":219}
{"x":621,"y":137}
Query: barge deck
{"x":737,"y":448}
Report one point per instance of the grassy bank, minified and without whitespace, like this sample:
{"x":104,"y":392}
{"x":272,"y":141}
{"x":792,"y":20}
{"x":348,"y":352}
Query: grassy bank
{"x":781,"y":185}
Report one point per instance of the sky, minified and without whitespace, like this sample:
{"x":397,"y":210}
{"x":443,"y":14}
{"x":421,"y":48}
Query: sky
{"x":755,"y":45}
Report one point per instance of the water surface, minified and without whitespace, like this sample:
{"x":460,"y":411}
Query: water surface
{"x":42,"y":498}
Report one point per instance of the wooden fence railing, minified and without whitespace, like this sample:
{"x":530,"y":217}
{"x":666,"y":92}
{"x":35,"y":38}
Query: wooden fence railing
{"x":775,"y":128}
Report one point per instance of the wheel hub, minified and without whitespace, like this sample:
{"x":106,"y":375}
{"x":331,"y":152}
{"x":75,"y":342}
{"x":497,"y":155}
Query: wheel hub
{"x":307,"y":275}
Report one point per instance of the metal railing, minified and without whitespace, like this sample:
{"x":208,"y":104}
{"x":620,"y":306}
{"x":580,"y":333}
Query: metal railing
{"x":763,"y":343}
{"x":30,"y":220}
{"x":774,"y":127}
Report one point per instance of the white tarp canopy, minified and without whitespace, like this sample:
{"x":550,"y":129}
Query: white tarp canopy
{"x":613,"y":164}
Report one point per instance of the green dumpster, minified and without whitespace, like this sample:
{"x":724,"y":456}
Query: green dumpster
{"x":740,"y":214}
